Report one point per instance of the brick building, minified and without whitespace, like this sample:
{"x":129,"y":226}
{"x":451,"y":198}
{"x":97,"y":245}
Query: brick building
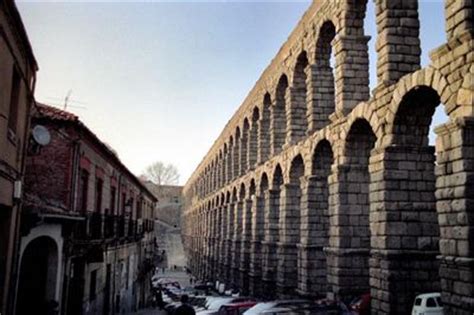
{"x":17,"y":81}
{"x":91,"y":218}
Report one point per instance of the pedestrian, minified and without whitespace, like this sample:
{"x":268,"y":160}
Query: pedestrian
{"x":159,"y":298}
{"x":184,"y":308}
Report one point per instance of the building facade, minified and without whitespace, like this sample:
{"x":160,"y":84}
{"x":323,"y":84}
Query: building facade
{"x":87,"y":241}
{"x":170,"y":202}
{"x":315,"y":187}
{"x":17,"y":81}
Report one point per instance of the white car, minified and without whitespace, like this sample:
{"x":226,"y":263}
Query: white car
{"x":428,"y":304}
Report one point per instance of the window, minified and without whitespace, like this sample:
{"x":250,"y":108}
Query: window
{"x":113,"y":192}
{"x":139,"y":210}
{"x":98,"y":195}
{"x":14,"y":97}
{"x":124,"y":201}
{"x":83,"y":191}
{"x":93,"y":285}
{"x":440,"y":303}
{"x":431,"y":302}
{"x":418,"y":302}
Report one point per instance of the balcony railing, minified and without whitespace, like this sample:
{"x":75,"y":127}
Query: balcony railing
{"x":106,"y":227}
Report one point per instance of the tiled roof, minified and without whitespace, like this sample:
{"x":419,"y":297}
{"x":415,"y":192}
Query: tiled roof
{"x":48,"y":112}
{"x":54,"y":113}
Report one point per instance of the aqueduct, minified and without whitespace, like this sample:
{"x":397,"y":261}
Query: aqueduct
{"x":316,"y":188}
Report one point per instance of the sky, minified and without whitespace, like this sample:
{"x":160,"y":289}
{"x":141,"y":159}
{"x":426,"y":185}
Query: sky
{"x":158,"y":80}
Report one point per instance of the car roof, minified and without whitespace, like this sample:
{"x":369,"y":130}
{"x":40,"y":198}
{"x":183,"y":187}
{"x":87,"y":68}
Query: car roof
{"x":428,"y":295}
{"x":243,"y":303}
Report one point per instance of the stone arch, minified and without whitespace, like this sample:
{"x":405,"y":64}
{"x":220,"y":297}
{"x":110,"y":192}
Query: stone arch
{"x":237,"y":146}
{"x":289,"y":224}
{"x":297,"y":122}
{"x":315,"y":222}
{"x":323,"y":85}
{"x":428,"y":77}
{"x":38,"y":279}
{"x":407,"y":189}
{"x":264,"y":133}
{"x":349,"y":237}
{"x":279,"y":122}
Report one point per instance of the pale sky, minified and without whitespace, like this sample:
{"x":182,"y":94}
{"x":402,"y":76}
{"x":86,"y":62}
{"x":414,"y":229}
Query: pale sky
{"x":159,"y":80}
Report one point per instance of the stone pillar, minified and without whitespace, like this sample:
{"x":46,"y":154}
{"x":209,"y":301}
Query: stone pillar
{"x":269,"y":245}
{"x":223,"y":225}
{"x":264,"y":135}
{"x":404,"y":227}
{"x":207,"y":243}
{"x":213,"y":245}
{"x":228,"y":244}
{"x":458,"y":14}
{"x":296,"y":113}
{"x":245,"y":247}
{"x":398,"y":43}
{"x":312,"y":271}
{"x":236,"y":243}
{"x":252,"y":150}
{"x":289,"y":224}
{"x":236,"y":163}
{"x":277,"y":128}
{"x":352,"y":71}
{"x":255,"y":274}
{"x":349,"y":242}
{"x":455,"y":206}
{"x":321,"y":97}
{"x":229,"y":162}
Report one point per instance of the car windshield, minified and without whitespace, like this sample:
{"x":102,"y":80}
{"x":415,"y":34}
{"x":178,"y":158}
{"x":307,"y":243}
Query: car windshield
{"x":440,"y":303}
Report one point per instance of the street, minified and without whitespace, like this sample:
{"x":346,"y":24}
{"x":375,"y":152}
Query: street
{"x":183,"y":279}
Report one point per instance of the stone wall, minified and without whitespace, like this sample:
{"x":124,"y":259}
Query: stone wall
{"x":316,"y":188}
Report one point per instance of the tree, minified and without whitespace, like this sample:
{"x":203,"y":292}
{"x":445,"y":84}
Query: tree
{"x":162,"y":174}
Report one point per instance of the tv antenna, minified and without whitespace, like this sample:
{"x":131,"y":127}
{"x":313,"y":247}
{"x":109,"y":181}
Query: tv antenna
{"x":66,"y":102}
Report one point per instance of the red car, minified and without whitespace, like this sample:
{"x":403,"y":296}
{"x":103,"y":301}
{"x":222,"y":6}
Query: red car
{"x":361,"y":304}
{"x":236,"y":308}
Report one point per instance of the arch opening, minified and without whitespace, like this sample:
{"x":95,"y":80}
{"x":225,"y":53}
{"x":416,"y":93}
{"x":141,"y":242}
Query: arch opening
{"x":38,"y":276}
{"x":279,"y":118}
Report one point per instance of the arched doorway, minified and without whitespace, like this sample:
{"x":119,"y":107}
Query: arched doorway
{"x":38,"y":276}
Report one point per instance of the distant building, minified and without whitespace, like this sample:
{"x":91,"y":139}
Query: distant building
{"x":170,"y":202}
{"x":87,"y":230}
{"x":17,"y":81}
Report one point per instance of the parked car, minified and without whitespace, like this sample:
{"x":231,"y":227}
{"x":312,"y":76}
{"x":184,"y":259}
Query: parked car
{"x":261,"y":307}
{"x":237,"y":308}
{"x":428,"y":304}
{"x":215,"y":303}
{"x":361,"y":305}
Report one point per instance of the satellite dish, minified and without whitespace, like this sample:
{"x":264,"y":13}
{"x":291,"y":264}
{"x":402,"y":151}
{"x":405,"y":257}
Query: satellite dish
{"x":41,"y":135}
